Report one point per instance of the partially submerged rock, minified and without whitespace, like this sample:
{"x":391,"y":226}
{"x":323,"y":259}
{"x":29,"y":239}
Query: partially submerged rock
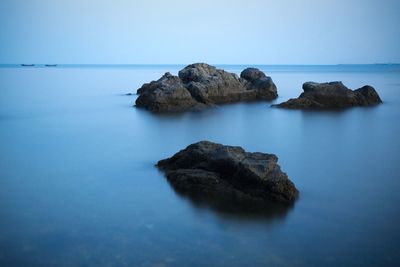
{"x":254,"y":79}
{"x":211,"y":170}
{"x":165,"y":94}
{"x":200,"y":85}
{"x":332,"y":95}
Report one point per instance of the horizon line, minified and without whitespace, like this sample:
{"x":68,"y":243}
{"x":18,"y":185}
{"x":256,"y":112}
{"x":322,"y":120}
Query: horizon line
{"x":180,"y":64}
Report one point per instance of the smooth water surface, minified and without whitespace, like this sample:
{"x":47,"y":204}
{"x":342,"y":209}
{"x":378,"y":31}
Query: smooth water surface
{"x":78,"y":186}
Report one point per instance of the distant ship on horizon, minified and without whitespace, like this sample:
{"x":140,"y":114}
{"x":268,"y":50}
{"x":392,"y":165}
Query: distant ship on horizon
{"x":50,"y":65}
{"x":27,"y":65}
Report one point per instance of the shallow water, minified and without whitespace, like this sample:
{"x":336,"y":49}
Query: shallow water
{"x":78,"y":186}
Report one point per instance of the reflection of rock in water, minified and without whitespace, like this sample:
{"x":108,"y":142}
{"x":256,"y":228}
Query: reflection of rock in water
{"x":229,"y":179}
{"x":236,"y":206}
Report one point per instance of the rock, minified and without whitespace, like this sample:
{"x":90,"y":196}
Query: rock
{"x":254,"y":79}
{"x":200,"y":85}
{"x":252,"y":74}
{"x":332,"y":95}
{"x":213,"y":170}
{"x":208,"y":84}
{"x":368,"y":95}
{"x":165,"y":94}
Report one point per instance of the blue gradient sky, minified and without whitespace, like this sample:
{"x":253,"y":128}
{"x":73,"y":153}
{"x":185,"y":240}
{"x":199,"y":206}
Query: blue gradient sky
{"x":218,"y":32}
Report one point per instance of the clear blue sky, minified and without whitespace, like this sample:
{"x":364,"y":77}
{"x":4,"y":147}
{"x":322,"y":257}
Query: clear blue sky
{"x":185,"y":31}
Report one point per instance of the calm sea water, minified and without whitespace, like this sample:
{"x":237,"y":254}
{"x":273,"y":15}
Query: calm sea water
{"x":78,"y":186}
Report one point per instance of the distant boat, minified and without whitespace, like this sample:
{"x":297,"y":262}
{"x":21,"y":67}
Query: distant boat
{"x":50,"y":65}
{"x":27,"y":65}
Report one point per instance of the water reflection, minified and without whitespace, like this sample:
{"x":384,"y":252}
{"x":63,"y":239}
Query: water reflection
{"x":235,"y":207}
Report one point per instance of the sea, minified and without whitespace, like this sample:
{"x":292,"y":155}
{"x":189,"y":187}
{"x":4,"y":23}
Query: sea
{"x":79,"y":186}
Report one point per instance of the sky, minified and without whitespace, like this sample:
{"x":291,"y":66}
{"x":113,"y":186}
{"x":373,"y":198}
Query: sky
{"x":212,"y":31}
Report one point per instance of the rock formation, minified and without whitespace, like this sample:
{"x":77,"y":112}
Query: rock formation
{"x":213,"y":170}
{"x":332,"y":95}
{"x":200,"y":85}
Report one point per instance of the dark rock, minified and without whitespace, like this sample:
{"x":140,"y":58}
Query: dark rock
{"x":254,"y":79}
{"x":252,"y":74}
{"x":332,"y":95}
{"x":165,"y":94}
{"x":368,"y":95}
{"x":206,"y":86}
{"x":211,"y":170}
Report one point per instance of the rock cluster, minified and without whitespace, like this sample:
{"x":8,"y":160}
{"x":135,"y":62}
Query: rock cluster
{"x":201,"y":85}
{"x":332,"y":95}
{"x":217,"y":172}
{"x":213,"y":170}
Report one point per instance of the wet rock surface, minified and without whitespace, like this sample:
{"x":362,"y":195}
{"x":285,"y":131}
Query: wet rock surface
{"x":212,"y":171}
{"x":332,"y":95}
{"x":200,"y":85}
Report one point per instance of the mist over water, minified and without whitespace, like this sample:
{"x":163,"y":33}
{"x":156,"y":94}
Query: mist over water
{"x":78,"y":186}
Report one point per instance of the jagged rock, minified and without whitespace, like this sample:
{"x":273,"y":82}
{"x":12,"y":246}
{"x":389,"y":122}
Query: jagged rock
{"x":200,"y":85}
{"x":213,"y":170}
{"x":331,"y":95}
{"x":165,"y":94}
{"x":208,"y":84}
{"x":254,"y":79}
